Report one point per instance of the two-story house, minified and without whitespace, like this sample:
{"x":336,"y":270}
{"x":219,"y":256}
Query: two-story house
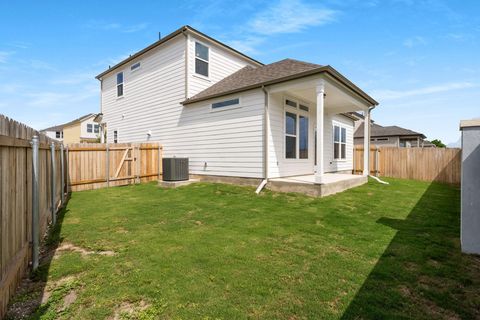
{"x":231,"y":115}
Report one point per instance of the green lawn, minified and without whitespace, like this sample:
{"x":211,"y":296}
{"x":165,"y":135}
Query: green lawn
{"x":214,"y":251}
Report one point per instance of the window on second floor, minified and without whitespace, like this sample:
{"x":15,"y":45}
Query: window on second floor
{"x":201,"y":59}
{"x":58,"y":135}
{"x":115,"y":136}
{"x":120,"y":84}
{"x":89,"y":127}
{"x":96,"y":128}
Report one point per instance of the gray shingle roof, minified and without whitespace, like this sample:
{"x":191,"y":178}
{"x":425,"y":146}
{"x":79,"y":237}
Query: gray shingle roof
{"x":249,"y":76}
{"x":380,"y":131}
{"x":61,"y":126}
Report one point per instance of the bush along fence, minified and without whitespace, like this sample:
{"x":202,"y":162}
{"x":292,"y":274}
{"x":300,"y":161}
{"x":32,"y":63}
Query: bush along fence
{"x":426,"y":164}
{"x":33,"y":189}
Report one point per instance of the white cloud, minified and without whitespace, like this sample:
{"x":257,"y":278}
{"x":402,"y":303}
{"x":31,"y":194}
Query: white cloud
{"x":460,"y":36}
{"x":394,"y":94}
{"x":414,"y":41}
{"x":114,"y":26}
{"x":282,"y":17}
{"x":4,"y":55}
{"x":135,"y":28}
{"x":290,"y":17}
{"x":247,"y":45}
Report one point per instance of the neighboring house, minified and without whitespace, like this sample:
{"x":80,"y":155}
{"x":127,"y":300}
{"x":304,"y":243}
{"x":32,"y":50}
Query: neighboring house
{"x":230,"y":114}
{"x":83,"y":129}
{"x":55,"y":132}
{"x":388,"y":136}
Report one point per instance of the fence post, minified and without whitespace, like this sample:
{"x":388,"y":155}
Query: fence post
{"x":62,"y":167}
{"x":159,"y":160}
{"x":68,"y":169}
{"x":35,"y":204}
{"x":52,"y":184}
{"x":108,"y":165}
{"x":377,"y":167}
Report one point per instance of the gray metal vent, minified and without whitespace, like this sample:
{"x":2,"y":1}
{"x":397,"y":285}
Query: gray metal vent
{"x":175,"y":169}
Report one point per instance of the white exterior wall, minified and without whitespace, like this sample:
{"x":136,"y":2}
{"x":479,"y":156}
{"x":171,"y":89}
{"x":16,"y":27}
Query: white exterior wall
{"x":221,"y":64}
{"x":331,"y":165}
{"x":83,"y":129}
{"x":52,"y":135}
{"x":228,"y":141}
{"x":279,"y":166}
{"x":152,"y":95}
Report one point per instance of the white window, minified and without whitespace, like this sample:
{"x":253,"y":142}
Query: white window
{"x":226,"y":103}
{"x":115,"y":136}
{"x":296,"y":131}
{"x":120,"y":84}
{"x":201,"y":59}
{"x":339,"y":142}
{"x":58,"y":134}
{"x":96,"y":128}
{"x":89,"y":127}
{"x":290,"y":135}
{"x":135,"y":66}
{"x":303,"y":137}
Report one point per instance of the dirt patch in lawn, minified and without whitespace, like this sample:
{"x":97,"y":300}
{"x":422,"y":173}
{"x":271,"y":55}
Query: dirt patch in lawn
{"x":84,"y":252}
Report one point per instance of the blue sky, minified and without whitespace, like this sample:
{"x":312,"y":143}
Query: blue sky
{"x":420,"y":59}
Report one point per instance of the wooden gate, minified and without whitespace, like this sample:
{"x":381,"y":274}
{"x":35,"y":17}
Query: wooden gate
{"x":93,"y":166}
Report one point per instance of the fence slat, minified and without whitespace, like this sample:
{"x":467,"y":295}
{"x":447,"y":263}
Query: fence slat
{"x":97,"y":165}
{"x":18,"y":201}
{"x":426,"y":164}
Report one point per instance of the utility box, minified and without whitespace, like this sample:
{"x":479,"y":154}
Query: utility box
{"x":470,"y":194}
{"x":175,"y":169}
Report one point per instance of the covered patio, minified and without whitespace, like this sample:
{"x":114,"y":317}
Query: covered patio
{"x":307,"y":184}
{"x":310,"y":132}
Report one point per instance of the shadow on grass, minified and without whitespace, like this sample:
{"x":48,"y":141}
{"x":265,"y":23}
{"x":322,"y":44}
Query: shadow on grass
{"x":422,"y":273}
{"x":27,"y":303}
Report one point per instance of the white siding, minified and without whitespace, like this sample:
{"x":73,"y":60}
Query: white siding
{"x":222,"y":63}
{"x":152,"y":95}
{"x":281,"y":167}
{"x":278,"y":165}
{"x":84,"y":134}
{"x":331,"y":165}
{"x":222,"y":142}
{"x":228,"y":141}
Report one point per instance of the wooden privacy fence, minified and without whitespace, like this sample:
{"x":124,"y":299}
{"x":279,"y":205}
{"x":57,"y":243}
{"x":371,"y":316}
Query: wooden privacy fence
{"x":97,"y":165}
{"x":32,"y":190}
{"x":426,"y":164}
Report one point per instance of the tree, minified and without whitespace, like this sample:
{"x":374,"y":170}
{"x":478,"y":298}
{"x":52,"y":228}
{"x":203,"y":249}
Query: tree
{"x":439,"y":143}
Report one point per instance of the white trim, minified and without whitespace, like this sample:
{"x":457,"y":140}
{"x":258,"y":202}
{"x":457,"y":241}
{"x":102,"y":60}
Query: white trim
{"x":340,"y":126}
{"x":298,"y":112}
{"x":206,"y":61}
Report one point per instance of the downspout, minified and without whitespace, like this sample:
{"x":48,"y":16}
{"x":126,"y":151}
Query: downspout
{"x":266,"y":124}
{"x":186,"y":63}
{"x":369,"y":135}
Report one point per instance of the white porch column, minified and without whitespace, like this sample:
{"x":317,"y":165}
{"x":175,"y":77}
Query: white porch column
{"x":366,"y":143}
{"x":320,"y":129}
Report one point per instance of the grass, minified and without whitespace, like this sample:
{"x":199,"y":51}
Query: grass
{"x":213,"y":251}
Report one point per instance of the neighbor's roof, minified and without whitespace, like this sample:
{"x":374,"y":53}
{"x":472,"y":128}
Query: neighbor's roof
{"x":169,"y":37}
{"x":380,"y":131}
{"x":251,"y":78}
{"x":61,"y":126}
